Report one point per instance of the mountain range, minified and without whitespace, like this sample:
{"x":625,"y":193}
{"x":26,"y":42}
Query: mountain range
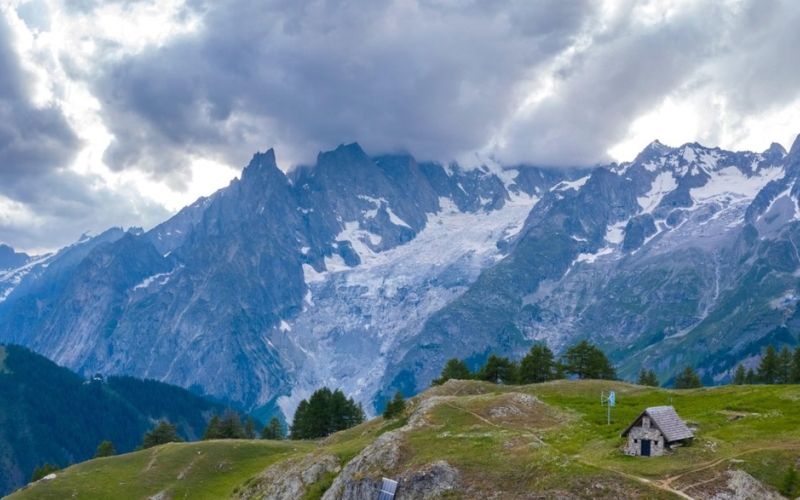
{"x":368,"y":273}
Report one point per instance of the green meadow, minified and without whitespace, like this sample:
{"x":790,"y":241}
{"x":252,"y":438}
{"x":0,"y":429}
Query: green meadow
{"x":543,"y":439}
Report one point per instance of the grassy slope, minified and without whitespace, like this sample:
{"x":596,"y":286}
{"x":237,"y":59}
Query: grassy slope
{"x":208,"y":469}
{"x":561,"y":446}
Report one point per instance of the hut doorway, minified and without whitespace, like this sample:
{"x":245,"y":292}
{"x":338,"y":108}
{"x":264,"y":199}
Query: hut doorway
{"x":645,"y":447}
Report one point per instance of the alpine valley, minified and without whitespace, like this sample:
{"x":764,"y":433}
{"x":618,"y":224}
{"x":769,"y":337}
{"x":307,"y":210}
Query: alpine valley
{"x":368,"y":273}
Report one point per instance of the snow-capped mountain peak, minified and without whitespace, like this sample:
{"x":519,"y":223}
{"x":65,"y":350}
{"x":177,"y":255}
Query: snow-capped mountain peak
{"x":368,"y":273}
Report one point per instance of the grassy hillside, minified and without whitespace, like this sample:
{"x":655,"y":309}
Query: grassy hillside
{"x":497,"y":441}
{"x":50,"y":414}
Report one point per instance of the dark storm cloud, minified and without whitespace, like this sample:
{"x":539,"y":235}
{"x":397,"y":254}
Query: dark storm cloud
{"x":553,"y":82}
{"x":436,"y":78}
{"x":430,"y":77}
{"x":42,"y":202}
{"x":63,"y":205}
{"x":33,"y":140}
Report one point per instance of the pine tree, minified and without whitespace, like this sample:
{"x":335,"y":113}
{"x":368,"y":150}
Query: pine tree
{"x":324,"y":413}
{"x":230,"y":426}
{"x":300,"y":425}
{"x":213,"y":430}
{"x":585,"y":360}
{"x":740,"y":377}
{"x":395,"y":407}
{"x":768,"y":368}
{"x":642,"y":377}
{"x":538,"y":365}
{"x":250,"y":428}
{"x":750,"y":378}
{"x":105,"y":449}
{"x":688,"y":379}
{"x":784,"y":375}
{"x":164,"y":432}
{"x":44,"y":470}
{"x":499,"y":370}
{"x":796,"y":366}
{"x":648,"y":378}
{"x":454,"y":369}
{"x":274,"y":430}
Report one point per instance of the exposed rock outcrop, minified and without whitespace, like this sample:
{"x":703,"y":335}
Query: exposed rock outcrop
{"x":743,"y":486}
{"x":290,"y":478}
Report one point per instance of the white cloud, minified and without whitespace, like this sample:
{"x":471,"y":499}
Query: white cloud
{"x":164,"y":101}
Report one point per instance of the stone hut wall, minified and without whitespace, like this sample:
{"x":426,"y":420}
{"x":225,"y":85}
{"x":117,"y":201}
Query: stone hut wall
{"x":644,"y":431}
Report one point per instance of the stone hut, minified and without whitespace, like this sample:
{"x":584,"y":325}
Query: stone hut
{"x":655,"y":430}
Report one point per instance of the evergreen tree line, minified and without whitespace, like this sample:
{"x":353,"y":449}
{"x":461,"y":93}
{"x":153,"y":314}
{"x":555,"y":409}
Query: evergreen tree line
{"x":324,"y":413}
{"x":688,"y":378}
{"x":776,"y":367}
{"x":396,"y":407}
{"x":583,"y":360}
{"x":229,"y":426}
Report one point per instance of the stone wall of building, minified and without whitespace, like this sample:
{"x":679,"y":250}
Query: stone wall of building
{"x":644,"y":431}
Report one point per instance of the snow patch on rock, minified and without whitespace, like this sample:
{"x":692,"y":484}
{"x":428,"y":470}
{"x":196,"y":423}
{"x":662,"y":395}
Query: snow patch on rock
{"x":159,"y":279}
{"x":732,"y":182}
{"x":663,"y":184}
{"x":576,"y":184}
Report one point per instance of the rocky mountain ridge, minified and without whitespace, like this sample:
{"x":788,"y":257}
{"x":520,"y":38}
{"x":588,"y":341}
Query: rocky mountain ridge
{"x":367,"y":273}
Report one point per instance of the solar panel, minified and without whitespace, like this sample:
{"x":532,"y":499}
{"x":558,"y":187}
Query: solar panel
{"x":388,"y":489}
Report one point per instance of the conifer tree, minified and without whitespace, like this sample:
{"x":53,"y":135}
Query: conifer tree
{"x":273,"y":430}
{"x":300,"y":424}
{"x":213,"y":430}
{"x":585,"y":360}
{"x":164,"y":432}
{"x":796,"y":366}
{"x":395,"y":407}
{"x":784,"y":375}
{"x":231,"y":426}
{"x":538,"y":365}
{"x":648,"y":378}
{"x":324,"y":413}
{"x":250,"y":428}
{"x":750,"y":378}
{"x":740,"y":377}
{"x":688,"y":379}
{"x":499,"y":370}
{"x":454,"y":369}
{"x":105,"y":449}
{"x":43,"y":470}
{"x":768,"y":368}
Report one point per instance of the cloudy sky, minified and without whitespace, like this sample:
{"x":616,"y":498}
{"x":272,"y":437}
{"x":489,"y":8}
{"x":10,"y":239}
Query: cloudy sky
{"x":120,"y":112}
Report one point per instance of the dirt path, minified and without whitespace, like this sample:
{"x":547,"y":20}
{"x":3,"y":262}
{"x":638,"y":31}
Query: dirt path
{"x":153,"y":458}
{"x":708,"y":465}
{"x":644,"y":480}
{"x":489,"y":422}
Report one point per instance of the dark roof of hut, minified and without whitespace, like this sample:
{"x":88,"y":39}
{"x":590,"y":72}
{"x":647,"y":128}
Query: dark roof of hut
{"x":667,"y":421}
